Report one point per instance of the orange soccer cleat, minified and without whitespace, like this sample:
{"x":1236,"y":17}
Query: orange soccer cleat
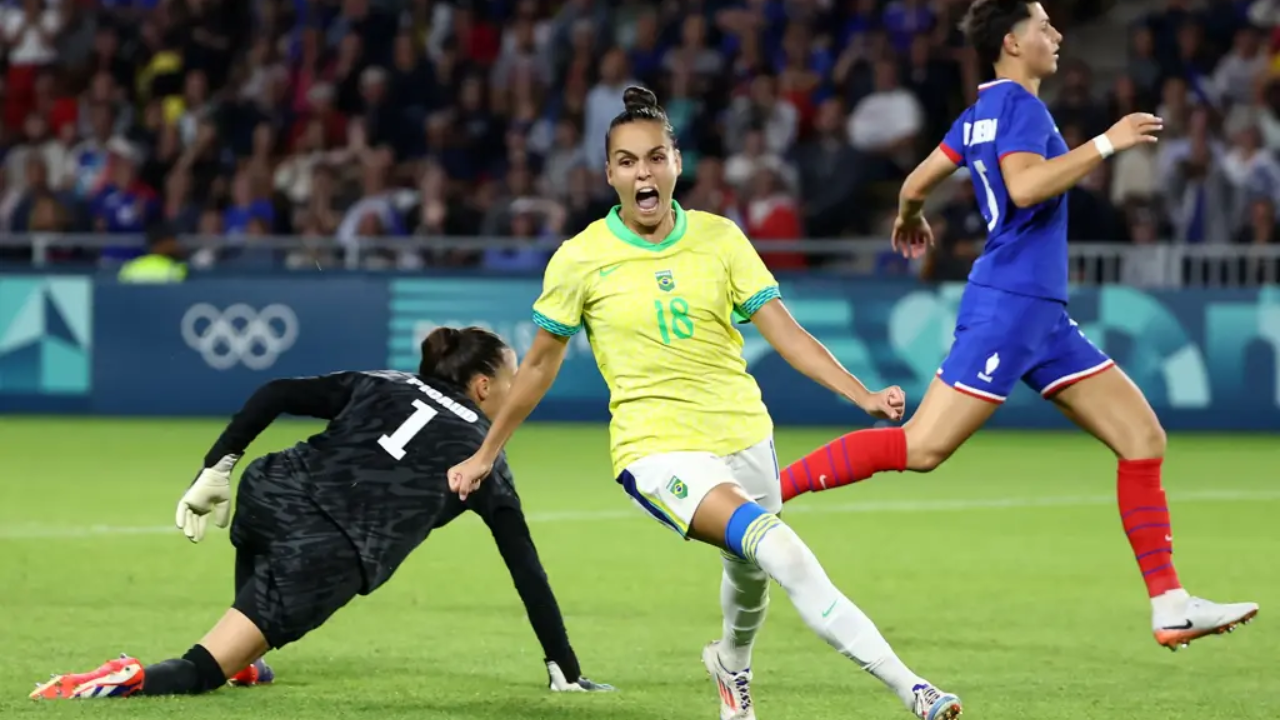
{"x":121,"y":677}
{"x":259,"y":673}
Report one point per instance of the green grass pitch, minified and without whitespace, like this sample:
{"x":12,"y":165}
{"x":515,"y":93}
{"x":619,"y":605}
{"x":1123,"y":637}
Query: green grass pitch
{"x":1004,"y":577}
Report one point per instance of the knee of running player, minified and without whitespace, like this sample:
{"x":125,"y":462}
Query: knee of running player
{"x":925,"y":450}
{"x":1146,"y":441}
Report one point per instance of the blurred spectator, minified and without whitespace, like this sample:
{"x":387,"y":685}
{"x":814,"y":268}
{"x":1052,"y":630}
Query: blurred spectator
{"x":603,"y":103}
{"x":39,"y":192}
{"x":1260,"y":227}
{"x":762,"y":108}
{"x":886,"y":122}
{"x":711,"y":193}
{"x":1075,"y":104}
{"x":645,"y":53}
{"x":1090,"y":214}
{"x":742,"y":167}
{"x":375,"y":211}
{"x":87,"y":161}
{"x":35,"y":142}
{"x":693,"y":53}
{"x":529,"y":220}
{"x":123,"y":204}
{"x":249,"y":202}
{"x":161,"y":264}
{"x":1195,"y":186}
{"x":565,"y":157}
{"x":1144,"y":66}
{"x":828,"y":173}
{"x":1251,"y":172}
{"x":1142,"y":262}
{"x":583,"y":203}
{"x":31,"y":30}
{"x":773,"y":219}
{"x":1236,"y":75}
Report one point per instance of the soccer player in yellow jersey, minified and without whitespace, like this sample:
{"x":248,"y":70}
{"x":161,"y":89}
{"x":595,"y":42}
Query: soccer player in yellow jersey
{"x":658,"y":288}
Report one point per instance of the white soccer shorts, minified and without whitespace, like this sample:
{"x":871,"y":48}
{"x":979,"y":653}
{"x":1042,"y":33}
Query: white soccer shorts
{"x":670,"y":486}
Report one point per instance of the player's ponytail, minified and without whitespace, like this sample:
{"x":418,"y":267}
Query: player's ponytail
{"x":639,"y":104}
{"x":458,"y":355}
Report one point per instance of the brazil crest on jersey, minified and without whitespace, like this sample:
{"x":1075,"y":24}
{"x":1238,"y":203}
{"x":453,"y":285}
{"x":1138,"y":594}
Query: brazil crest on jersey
{"x":1026,"y":249}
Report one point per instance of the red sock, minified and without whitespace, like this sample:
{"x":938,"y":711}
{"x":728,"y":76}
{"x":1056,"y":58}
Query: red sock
{"x":1145,"y":514}
{"x":849,"y":459}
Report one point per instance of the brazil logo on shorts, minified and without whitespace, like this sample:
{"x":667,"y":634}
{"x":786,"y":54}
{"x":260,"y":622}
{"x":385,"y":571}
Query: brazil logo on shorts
{"x":678,"y":488}
{"x":666,"y":283}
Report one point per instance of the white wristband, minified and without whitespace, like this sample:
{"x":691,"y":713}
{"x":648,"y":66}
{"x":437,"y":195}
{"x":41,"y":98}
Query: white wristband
{"x":1105,"y":148}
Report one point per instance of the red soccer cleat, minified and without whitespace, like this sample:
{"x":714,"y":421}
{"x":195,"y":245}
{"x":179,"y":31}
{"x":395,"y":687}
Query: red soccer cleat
{"x":121,"y":677}
{"x":259,"y":673}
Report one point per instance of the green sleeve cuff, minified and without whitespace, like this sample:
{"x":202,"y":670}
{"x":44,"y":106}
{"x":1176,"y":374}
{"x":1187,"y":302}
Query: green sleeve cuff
{"x":742,"y":313}
{"x":553,"y":327}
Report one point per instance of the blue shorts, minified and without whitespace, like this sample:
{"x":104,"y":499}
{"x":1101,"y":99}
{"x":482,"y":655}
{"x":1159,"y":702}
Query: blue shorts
{"x":1003,"y":337}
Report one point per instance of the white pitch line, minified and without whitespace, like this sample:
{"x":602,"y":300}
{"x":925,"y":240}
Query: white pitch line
{"x":62,"y":532}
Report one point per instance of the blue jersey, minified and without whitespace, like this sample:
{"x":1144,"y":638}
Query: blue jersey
{"x":1026,"y":249}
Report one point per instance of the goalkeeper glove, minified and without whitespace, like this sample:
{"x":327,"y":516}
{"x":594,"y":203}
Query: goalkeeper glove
{"x":209,"y":494}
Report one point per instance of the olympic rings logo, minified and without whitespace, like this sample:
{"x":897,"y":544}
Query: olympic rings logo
{"x":239,"y":334}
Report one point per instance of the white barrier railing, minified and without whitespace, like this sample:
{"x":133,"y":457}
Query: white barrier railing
{"x":1153,"y":266}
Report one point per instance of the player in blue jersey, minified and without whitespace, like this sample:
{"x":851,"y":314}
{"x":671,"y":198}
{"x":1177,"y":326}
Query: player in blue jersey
{"x":1012,"y":322}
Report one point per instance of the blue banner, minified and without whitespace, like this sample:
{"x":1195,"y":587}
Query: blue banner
{"x":204,"y":346}
{"x":1207,"y":359}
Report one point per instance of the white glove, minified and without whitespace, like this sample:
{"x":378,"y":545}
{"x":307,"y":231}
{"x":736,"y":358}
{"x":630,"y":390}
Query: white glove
{"x":210,"y":493}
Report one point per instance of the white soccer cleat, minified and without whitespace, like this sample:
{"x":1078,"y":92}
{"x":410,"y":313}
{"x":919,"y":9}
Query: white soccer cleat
{"x":1197,"y":618}
{"x":734,"y":687}
{"x":557,"y":682}
{"x":934,"y":704}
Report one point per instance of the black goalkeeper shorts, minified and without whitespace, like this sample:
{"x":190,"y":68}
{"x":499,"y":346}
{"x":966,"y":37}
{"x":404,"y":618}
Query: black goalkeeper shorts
{"x":294,"y":566}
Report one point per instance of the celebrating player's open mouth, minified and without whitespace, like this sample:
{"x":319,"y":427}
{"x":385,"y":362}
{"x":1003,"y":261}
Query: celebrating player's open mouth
{"x":648,"y":200}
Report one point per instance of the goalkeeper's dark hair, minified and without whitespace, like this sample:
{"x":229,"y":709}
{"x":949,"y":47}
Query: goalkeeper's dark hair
{"x":458,"y":355}
{"x":639,"y":104}
{"x":988,"y":21}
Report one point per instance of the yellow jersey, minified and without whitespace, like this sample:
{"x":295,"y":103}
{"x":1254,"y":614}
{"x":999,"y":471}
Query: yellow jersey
{"x":660,"y":320}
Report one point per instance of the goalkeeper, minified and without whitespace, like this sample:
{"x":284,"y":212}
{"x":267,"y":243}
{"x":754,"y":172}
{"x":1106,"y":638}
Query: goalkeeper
{"x":335,"y":515}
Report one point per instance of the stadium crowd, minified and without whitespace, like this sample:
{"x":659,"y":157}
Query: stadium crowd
{"x":351,"y":118}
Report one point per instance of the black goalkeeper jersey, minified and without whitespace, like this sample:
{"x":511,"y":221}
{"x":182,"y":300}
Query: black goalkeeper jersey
{"x":379,"y":468}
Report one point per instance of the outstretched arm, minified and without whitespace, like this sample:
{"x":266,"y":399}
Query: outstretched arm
{"x":1031,"y":179}
{"x":210,"y":493}
{"x":318,"y":397}
{"x":511,"y":534}
{"x":804,"y":353}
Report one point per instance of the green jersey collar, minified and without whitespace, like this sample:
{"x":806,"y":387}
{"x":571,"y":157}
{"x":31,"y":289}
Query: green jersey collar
{"x":624,"y":233}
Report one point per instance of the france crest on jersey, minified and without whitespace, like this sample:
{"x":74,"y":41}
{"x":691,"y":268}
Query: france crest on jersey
{"x":1026,"y":250}
{"x":1012,"y":323}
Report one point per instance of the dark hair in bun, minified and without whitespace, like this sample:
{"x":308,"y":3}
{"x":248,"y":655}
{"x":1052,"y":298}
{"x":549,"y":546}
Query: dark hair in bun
{"x":639,"y":104}
{"x":457,"y":355}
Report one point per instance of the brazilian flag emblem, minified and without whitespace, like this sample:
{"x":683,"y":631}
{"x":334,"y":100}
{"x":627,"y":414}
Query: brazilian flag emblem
{"x":666,"y":283}
{"x":678,"y":488}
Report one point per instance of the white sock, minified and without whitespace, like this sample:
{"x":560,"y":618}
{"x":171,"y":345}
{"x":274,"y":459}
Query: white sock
{"x":1170,"y":603}
{"x":744,"y":599}
{"x":784,"y":556}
